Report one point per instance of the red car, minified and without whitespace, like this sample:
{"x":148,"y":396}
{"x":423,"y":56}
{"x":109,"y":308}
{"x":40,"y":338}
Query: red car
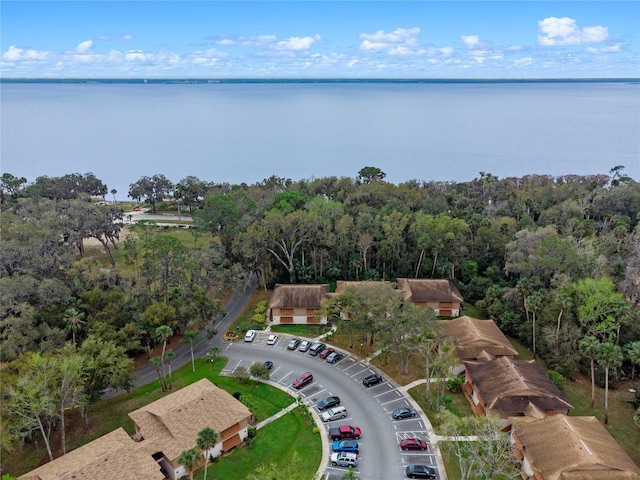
{"x":326,"y":352}
{"x":413,"y":444}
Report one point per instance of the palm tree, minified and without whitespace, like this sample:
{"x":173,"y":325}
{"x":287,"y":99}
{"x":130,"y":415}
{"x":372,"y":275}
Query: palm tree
{"x":609,"y":356}
{"x":189,"y":459}
{"x":632,"y":351}
{"x":163,"y":333}
{"x":155,"y":361}
{"x":207,"y":439}
{"x":74,"y":319}
{"x":350,"y":474}
{"x":190,"y":336}
{"x":170,"y":355}
{"x":113,"y":192}
{"x":588,"y":346}
{"x":533,"y":303}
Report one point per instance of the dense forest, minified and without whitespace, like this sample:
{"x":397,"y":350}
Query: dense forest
{"x":553,"y":260}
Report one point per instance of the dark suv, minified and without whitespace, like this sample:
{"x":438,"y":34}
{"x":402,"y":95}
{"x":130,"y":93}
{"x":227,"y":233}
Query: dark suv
{"x":371,"y":380}
{"x":328,"y":402}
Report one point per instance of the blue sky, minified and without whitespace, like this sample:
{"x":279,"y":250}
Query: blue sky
{"x":329,"y":39}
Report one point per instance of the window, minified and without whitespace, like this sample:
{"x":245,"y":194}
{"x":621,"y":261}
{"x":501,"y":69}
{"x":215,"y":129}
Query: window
{"x":286,"y":311}
{"x":445,"y":305}
{"x":286,"y":319}
{"x":312,"y":320}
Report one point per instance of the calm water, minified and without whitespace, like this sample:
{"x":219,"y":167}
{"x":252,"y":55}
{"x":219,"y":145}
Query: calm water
{"x":247,"y":132}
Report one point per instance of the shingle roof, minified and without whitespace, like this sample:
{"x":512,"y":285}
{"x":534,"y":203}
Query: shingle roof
{"x":429,"y":290}
{"x":298,"y":296}
{"x":477,"y":339}
{"x":171,"y":424}
{"x":511,"y":385}
{"x":588,"y":451}
{"x":114,"y":456}
{"x":343,"y":285}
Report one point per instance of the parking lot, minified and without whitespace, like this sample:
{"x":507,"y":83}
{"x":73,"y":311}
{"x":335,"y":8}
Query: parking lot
{"x":369,"y":408}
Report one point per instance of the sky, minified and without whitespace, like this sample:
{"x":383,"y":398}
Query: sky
{"x":327,"y":39}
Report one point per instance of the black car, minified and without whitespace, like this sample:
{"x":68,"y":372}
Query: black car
{"x":334,"y":357}
{"x":404,"y":412}
{"x":268,"y":364}
{"x":371,"y":380}
{"x":328,"y":402}
{"x":420,"y":471}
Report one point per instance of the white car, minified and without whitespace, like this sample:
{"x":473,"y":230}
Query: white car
{"x":334,"y":414}
{"x":250,"y":335}
{"x":273,"y":338}
{"x":344,"y":459}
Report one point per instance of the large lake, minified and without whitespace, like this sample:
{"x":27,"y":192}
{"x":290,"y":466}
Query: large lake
{"x":246,"y":132}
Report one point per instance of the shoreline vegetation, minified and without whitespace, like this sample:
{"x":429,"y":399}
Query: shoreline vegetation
{"x":552,"y":260}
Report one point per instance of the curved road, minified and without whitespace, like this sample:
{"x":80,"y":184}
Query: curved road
{"x":368,"y":408}
{"x":201,"y":347}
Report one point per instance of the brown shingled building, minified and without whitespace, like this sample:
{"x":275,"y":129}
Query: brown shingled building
{"x":559,"y":447}
{"x":171,"y":424}
{"x":512,"y":388}
{"x":164,"y":429}
{"x":297,"y":304}
{"x":476,"y":340}
{"x":441,"y":295}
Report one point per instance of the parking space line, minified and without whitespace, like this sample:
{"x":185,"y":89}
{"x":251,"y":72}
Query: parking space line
{"x":323,"y":390}
{"x":355,"y":364}
{"x":383,"y":393}
{"x":395,"y":400}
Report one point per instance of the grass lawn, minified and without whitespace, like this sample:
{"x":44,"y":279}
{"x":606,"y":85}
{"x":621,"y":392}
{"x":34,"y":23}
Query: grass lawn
{"x":309,"y":331}
{"x":109,"y":414}
{"x":275,"y":443}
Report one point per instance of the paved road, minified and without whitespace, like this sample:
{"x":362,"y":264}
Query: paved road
{"x":201,"y":347}
{"x":368,"y":408}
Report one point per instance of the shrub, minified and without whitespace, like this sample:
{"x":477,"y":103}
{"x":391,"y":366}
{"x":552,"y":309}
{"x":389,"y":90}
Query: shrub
{"x":556,"y":378}
{"x":454,"y":384}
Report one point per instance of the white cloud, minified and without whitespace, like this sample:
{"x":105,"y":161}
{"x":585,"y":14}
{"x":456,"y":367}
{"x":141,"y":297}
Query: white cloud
{"x":470,"y":41}
{"x":523,"y":62}
{"x":297,"y":43}
{"x":401,"y":41}
{"x":352,"y":63}
{"x":207,"y":57}
{"x":84,"y":47}
{"x":16,"y":54}
{"x":609,"y":49}
{"x":138,"y":56}
{"x":564,"y":31}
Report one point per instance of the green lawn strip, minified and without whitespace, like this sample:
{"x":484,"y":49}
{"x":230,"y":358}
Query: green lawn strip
{"x":309,"y":331}
{"x":275,"y":443}
{"x":472,"y":311}
{"x":523,"y":352}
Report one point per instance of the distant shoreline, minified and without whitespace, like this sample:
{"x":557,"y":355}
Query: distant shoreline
{"x":177,"y":81}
